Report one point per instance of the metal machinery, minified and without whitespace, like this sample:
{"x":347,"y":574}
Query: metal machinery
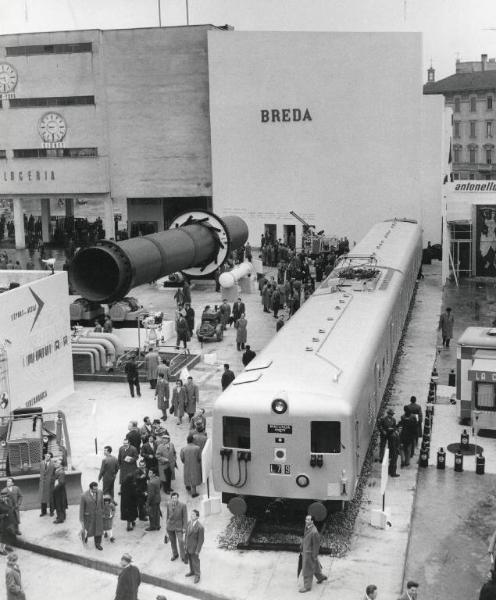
{"x":314,"y":243}
{"x":197,"y":243}
{"x":297,"y":423}
{"x":25,"y":436}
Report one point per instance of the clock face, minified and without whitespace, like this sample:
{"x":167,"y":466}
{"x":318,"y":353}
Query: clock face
{"x":52,"y":127}
{"x":8,"y":78}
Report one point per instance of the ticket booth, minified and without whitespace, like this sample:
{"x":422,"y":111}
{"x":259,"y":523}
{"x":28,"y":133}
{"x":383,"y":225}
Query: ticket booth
{"x":476,"y":376}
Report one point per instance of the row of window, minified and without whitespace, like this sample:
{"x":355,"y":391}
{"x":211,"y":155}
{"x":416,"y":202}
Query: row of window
{"x":457,"y":129}
{"x":51,"y":101}
{"x":472,"y":154}
{"x":48,"y":49}
{"x":473,"y":103}
{"x":52,"y":153}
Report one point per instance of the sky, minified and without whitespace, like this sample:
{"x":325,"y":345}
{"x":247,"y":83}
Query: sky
{"x":451,"y":28}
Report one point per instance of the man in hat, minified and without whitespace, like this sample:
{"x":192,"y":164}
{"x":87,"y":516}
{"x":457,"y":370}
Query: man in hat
{"x":386,"y":426}
{"x":129,"y":579}
{"x":13,"y":579}
{"x":446,"y":322}
{"x":8,"y":523}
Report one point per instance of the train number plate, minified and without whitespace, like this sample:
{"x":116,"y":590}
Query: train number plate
{"x":276,"y":469}
{"x":280,"y":429}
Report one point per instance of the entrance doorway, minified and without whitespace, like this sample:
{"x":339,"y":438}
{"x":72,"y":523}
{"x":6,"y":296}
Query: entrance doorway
{"x":270,"y":231}
{"x":289,"y":234}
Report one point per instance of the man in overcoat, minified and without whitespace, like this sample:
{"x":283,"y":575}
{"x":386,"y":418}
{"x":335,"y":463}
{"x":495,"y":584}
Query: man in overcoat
{"x":152,"y":360}
{"x":446,"y":322}
{"x":15,"y":496}
{"x":108,"y":471}
{"x":91,"y":515}
{"x":192,"y":471}
{"x":241,"y":332}
{"x":47,"y":479}
{"x":238,"y":309}
{"x":177,"y":520}
{"x":166,"y":459}
{"x":195,"y":535}
{"x":153,"y":501}
{"x":126,"y":459}
{"x":310,"y":547}
{"x":128,"y":581}
{"x":192,"y":397}
{"x":225,"y":313}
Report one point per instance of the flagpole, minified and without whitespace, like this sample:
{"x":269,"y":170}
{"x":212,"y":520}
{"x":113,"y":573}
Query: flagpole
{"x":187,"y":12}
{"x":159,"y":14}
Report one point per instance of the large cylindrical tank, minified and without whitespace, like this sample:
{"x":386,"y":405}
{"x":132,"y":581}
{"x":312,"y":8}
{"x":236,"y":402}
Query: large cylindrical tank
{"x":229,"y":278}
{"x":197,"y":243}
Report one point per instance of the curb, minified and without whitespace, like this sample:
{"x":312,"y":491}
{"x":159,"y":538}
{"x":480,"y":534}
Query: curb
{"x":101,"y":565}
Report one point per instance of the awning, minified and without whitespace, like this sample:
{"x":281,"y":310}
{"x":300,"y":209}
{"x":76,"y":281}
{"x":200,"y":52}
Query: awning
{"x":483,"y":369}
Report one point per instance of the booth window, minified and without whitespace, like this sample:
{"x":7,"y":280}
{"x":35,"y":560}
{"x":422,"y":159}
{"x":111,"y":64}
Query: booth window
{"x":485,"y":396}
{"x":325,"y":437}
{"x":236,"y":432}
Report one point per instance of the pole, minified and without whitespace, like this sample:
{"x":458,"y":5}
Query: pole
{"x":384,"y":502}
{"x":187,"y":12}
{"x":159,"y":14}
{"x":208,"y":487}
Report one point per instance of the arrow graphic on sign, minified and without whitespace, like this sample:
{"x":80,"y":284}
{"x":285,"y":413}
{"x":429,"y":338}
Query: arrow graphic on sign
{"x":40,"y":304}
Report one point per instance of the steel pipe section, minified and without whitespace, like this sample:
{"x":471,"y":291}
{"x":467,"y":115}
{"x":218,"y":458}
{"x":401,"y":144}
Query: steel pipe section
{"x":229,"y":278}
{"x":197,"y":243}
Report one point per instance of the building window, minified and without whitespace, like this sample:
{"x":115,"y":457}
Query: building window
{"x":62,"y":101}
{"x":473,"y":104}
{"x":3,"y":153}
{"x":471,"y":176}
{"x":484,"y":396}
{"x":473,"y":129}
{"x":472,"y":153}
{"x":55,"y":152}
{"x":456,"y":153}
{"x":457,"y":104}
{"x":489,"y":103}
{"x":489,"y":129}
{"x":489,"y":153}
{"x":456,"y":126}
{"x":48,"y":49}
{"x":456,"y":176}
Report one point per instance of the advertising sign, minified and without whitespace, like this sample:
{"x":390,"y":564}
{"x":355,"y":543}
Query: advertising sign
{"x":485,"y":240}
{"x":35,"y":336}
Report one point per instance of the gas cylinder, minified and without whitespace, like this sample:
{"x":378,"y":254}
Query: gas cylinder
{"x":464,"y":440}
{"x":459,"y":462}
{"x":480,"y":464}
{"x":423,"y":457}
{"x":441,"y":458}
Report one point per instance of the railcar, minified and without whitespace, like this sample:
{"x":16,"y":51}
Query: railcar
{"x":297,"y":423}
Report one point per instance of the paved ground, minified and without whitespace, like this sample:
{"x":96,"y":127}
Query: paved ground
{"x":443,"y":546}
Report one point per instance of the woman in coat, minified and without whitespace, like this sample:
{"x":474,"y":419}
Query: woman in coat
{"x":129,"y":502}
{"x":59,"y":492}
{"x":179,"y":401}
{"x":241,"y":332}
{"x":148,"y":453}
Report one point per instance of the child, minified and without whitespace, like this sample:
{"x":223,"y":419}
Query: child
{"x":108,"y":516}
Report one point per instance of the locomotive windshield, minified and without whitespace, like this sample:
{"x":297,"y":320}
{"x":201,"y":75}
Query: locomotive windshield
{"x":325,"y":437}
{"x":236,"y":432}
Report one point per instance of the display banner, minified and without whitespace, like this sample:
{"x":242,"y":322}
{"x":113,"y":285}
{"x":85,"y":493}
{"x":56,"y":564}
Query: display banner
{"x":485,"y":240}
{"x":35,"y":338}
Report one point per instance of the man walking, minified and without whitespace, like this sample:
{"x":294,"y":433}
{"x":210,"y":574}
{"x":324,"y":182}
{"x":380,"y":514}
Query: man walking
{"x":128,"y":581}
{"x":127,"y":459}
{"x":153,"y":501}
{"x":386,"y":426}
{"x":152,"y":360}
{"x":166,"y":460}
{"x":446,"y":322}
{"x":195,"y":535}
{"x":177,"y":521}
{"x":91,"y":515}
{"x":132,"y":374}
{"x":108,"y":471}
{"x":248,"y":355}
{"x":192,"y":397}
{"x":370,"y":592}
{"x":192,"y":470}
{"x":227,"y":377}
{"x":310,"y":547}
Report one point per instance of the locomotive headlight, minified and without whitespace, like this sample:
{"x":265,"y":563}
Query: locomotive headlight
{"x":279,"y":406}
